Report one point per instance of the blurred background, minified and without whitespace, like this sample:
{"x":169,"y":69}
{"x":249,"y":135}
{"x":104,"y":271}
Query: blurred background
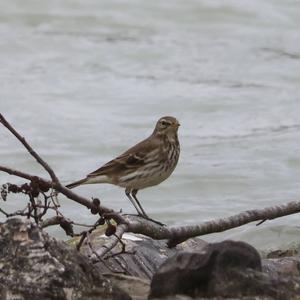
{"x":84,"y":80}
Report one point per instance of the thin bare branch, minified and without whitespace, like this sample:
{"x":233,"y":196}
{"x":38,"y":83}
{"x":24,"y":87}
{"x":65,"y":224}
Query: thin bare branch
{"x":51,"y":221}
{"x":63,"y":190}
{"x":80,"y":243}
{"x":64,"y":223}
{"x":4,"y":212}
{"x":29,"y":148}
{"x":20,"y":213}
{"x":86,"y":233}
{"x":112,"y":242}
{"x":24,"y":175}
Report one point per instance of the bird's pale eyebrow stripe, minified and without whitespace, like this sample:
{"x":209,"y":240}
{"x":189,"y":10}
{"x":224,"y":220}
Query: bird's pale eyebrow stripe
{"x":168,"y":122}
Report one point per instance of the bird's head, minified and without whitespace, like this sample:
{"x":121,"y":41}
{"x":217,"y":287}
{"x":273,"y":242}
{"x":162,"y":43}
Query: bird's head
{"x":167,"y":126}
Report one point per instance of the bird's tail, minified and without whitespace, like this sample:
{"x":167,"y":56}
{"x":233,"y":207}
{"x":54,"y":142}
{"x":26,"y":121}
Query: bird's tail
{"x":76,"y":183}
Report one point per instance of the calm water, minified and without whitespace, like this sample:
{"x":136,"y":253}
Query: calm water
{"x":84,"y":80}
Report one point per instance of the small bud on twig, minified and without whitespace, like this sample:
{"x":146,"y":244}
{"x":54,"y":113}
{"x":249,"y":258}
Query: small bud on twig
{"x":101,"y":221}
{"x":95,"y":208}
{"x":110,"y":230}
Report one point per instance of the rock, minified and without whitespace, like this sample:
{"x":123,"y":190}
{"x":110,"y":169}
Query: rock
{"x":36,"y":266}
{"x":222,"y":270}
{"x":136,"y":287}
{"x":289,"y":266}
{"x":282,"y":253}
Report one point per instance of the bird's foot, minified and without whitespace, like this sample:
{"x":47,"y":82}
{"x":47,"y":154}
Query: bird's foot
{"x":148,"y":219}
{"x":152,"y":220}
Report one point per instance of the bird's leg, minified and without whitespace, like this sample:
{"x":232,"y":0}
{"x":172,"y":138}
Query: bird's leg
{"x":133,"y":193}
{"x":127,"y":192}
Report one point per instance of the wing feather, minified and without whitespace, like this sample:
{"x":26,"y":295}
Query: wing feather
{"x":132,"y":158}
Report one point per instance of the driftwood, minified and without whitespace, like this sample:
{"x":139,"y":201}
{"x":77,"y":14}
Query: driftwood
{"x":50,"y":189}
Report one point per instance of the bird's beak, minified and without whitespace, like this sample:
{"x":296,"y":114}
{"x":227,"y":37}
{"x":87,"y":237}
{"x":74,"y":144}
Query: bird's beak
{"x":176,"y":125}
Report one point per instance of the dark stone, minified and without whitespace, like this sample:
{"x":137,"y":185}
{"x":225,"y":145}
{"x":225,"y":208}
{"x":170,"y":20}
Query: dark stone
{"x":36,"y":266}
{"x":215,"y":271}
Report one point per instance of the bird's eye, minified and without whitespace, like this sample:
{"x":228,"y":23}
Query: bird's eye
{"x":164,"y":123}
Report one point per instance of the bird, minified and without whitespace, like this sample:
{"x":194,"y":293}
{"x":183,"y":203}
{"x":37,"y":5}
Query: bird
{"x":146,"y":164}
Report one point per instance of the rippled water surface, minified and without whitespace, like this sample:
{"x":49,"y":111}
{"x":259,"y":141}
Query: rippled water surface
{"x":84,"y":80}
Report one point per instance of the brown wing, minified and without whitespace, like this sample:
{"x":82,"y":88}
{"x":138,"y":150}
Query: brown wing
{"x":132,"y":158}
